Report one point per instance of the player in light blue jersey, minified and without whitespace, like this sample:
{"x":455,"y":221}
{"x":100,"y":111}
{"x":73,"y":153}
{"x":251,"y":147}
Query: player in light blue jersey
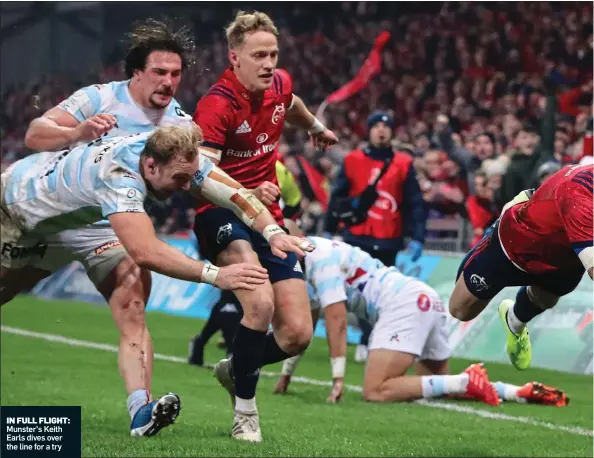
{"x":48,"y":199}
{"x":408,"y":320}
{"x":409,"y":328}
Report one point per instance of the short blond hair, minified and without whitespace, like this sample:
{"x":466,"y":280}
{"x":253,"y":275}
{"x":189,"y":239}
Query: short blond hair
{"x":167,"y":142}
{"x":246,"y":23}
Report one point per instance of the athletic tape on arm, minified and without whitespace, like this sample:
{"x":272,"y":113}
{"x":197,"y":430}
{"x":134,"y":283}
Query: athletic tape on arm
{"x":220,"y":189}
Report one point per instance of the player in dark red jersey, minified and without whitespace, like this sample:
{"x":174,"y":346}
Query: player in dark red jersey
{"x":542,"y":242}
{"x":242,"y":117}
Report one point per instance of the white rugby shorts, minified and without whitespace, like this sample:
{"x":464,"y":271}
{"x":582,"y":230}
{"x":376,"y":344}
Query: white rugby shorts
{"x":411,"y":320}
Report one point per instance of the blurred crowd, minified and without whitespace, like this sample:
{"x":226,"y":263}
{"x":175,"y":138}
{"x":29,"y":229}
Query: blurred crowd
{"x":474,"y":88}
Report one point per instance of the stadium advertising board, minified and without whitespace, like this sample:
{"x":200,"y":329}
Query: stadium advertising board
{"x":561,"y":338}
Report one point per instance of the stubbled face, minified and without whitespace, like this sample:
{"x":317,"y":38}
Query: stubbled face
{"x":254,"y":62}
{"x":163,"y":180}
{"x":157,"y":83}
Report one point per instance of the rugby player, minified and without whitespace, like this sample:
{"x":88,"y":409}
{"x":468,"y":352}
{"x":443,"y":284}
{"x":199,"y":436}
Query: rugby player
{"x":47,"y":197}
{"x":542,"y":242}
{"x":242,"y":117}
{"x":409,"y":329}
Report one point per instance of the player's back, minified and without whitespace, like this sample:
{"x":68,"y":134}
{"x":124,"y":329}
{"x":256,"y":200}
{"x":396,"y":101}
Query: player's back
{"x":245,"y":130}
{"x":540,"y":234}
{"x":51,"y":192}
{"x":114,"y":98}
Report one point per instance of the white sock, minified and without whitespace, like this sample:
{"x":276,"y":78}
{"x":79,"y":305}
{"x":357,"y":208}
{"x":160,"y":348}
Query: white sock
{"x":508,"y":392}
{"x":136,"y":400}
{"x":438,"y":385}
{"x":514,"y":322}
{"x":245,"y":405}
{"x":289,"y":365}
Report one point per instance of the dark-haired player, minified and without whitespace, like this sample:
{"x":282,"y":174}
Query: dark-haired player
{"x":543,"y":243}
{"x":242,"y":117}
{"x":156,"y":58}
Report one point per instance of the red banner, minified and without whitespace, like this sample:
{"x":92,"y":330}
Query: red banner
{"x":371,"y":66}
{"x":316,"y":181}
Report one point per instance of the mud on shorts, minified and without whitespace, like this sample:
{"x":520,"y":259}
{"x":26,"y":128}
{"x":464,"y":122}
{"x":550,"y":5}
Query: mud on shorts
{"x":411,"y":319}
{"x":216,"y":228}
{"x":487,"y":270}
{"x":95,"y":246}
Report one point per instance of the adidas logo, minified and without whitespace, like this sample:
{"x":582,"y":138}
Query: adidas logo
{"x":244,"y":128}
{"x":297,"y":267}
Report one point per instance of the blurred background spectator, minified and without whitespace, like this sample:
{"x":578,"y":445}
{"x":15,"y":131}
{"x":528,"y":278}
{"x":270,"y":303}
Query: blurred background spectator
{"x":483,"y":95}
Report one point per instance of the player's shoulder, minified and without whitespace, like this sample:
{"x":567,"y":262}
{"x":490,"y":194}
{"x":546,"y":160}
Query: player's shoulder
{"x":573,"y":179}
{"x":219,"y":98}
{"x":282,"y":83}
{"x":126,"y":150}
{"x":176,"y":113}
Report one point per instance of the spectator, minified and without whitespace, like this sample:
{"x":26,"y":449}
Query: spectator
{"x":481,"y":208}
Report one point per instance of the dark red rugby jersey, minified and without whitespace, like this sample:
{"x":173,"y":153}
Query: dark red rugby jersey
{"x":547,"y":232}
{"x":245,"y":130}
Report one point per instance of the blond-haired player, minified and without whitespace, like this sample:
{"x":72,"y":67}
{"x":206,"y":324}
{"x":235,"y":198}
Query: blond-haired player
{"x":242,"y":116}
{"x":48,"y":199}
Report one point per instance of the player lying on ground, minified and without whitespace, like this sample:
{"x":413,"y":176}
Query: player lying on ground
{"x":542,"y":242}
{"x":409,"y":330}
{"x":47,"y":196}
{"x":242,"y":117}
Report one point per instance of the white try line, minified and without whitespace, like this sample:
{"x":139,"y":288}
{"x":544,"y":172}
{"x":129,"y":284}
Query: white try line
{"x":434,"y":404}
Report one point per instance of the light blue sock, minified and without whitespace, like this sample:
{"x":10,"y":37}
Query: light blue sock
{"x":434,"y":386}
{"x":136,"y":400}
{"x":500,"y":388}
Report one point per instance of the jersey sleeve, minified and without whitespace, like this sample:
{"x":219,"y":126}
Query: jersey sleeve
{"x":177,"y":116}
{"x":83,"y":104}
{"x":326,"y":278}
{"x":574,"y":203}
{"x":214,"y":116}
{"x":123,"y":190}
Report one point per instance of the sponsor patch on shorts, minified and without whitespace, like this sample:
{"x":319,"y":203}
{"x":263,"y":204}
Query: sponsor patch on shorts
{"x":106,"y":246}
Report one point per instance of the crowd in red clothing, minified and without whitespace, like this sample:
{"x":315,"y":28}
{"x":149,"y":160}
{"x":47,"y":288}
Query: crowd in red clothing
{"x":467,"y":85}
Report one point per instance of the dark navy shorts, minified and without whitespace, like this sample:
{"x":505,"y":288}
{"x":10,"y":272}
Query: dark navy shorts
{"x":216,"y":228}
{"x":487,"y":270}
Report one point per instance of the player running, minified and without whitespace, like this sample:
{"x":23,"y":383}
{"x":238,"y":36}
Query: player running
{"x":46,"y":197}
{"x":409,"y":329}
{"x":542,"y":242}
{"x":242,"y":117}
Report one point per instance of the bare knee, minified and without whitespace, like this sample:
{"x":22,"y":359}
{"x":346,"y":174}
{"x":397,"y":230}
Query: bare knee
{"x":296,"y":337}
{"x":374,"y":394}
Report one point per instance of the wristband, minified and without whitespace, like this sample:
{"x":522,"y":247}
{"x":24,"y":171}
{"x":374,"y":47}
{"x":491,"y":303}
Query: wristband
{"x":270,"y":230}
{"x":317,"y":127}
{"x":338,"y":366}
{"x":209,"y":274}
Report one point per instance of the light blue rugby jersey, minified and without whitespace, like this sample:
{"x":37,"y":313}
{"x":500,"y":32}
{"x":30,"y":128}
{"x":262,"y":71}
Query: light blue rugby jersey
{"x":336,"y":272}
{"x":46,"y":193}
{"x":114,"y":98}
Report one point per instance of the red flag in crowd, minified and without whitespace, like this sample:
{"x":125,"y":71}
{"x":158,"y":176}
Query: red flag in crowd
{"x":371,"y":66}
{"x":316,"y":181}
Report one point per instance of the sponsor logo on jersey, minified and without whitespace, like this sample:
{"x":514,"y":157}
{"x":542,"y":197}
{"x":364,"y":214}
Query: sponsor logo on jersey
{"x":479,"y":282}
{"x":394,"y":337}
{"x":244,"y":128}
{"x":229,"y":308}
{"x":278,"y":114}
{"x":262,"y":138}
{"x":423,"y":302}
{"x":180,"y":113}
{"x":251,"y":153}
{"x":224,"y":232}
{"x":106,"y":246}
{"x":131,"y":194}
{"x":198,"y":178}
{"x":13,"y":251}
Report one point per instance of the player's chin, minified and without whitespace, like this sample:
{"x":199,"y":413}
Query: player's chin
{"x":265,"y":83}
{"x":160,"y":100}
